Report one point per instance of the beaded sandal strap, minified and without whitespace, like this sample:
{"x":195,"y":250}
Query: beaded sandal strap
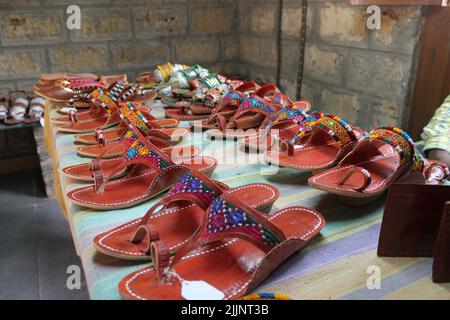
{"x":108,"y":99}
{"x":399,"y":140}
{"x":337,"y":128}
{"x":252,"y":104}
{"x":228,"y":217}
{"x":192,"y":186}
{"x":286,"y":114}
{"x":133,"y":117}
{"x":140,"y":151}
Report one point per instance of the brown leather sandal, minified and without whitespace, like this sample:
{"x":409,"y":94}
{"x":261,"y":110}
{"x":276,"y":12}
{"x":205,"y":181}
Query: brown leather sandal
{"x":36,"y":110}
{"x":363,"y":175}
{"x":320,"y":145}
{"x":227,"y":107}
{"x":150,"y":172}
{"x":284,"y":127}
{"x":253,"y":114}
{"x":135,"y":120}
{"x":176,"y":217}
{"x":188,"y":111}
{"x":107,"y":165}
{"x":4,"y":104}
{"x":18,"y":109}
{"x":236,"y":248}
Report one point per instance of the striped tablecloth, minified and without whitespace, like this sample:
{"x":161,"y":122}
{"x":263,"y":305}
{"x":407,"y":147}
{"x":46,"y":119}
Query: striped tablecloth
{"x":340,"y":264}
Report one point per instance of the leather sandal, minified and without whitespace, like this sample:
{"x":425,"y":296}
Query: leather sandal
{"x":52,"y":77}
{"x":384,"y":156}
{"x":107,"y":165}
{"x":69,"y":90}
{"x":187,"y":111}
{"x":321,"y":145}
{"x":18,"y":109}
{"x":133,"y":119}
{"x":227,"y":107}
{"x":116,"y":133}
{"x":176,"y":218}
{"x":109,"y":103}
{"x":286,"y":125}
{"x":253,"y":114}
{"x":150,"y":172}
{"x":4,"y":104}
{"x":36,"y":110}
{"x":236,"y":248}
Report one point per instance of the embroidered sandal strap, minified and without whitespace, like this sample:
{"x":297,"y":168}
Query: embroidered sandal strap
{"x":132,"y":117}
{"x":140,"y":151}
{"x":337,"y":128}
{"x":193,"y":187}
{"x":229,"y":218}
{"x":253,"y":104}
{"x":398,"y":139}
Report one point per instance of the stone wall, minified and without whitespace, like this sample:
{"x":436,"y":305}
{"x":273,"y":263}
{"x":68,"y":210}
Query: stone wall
{"x":116,"y":36}
{"x":363,"y":75}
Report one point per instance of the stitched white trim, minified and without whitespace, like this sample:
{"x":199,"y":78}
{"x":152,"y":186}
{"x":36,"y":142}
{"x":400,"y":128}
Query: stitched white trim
{"x":242,"y":287}
{"x":171,"y":211}
{"x":274,"y":155}
{"x":132,"y":223}
{"x":83,"y":165}
{"x":77,"y":191}
{"x":372,"y":187}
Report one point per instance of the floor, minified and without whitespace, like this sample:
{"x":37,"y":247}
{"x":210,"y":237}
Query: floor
{"x":35,"y":244}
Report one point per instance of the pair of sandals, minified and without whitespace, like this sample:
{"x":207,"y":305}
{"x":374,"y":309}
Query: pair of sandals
{"x":142,"y":163}
{"x":207,"y":240}
{"x":349,"y":162}
{"x":19,"y":106}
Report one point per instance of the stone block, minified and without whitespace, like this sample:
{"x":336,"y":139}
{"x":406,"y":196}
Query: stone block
{"x":343,"y":24}
{"x":379,"y":74}
{"x":343,"y":105}
{"x":379,"y":112}
{"x":399,"y":30}
{"x":269,"y":53}
{"x":211,"y":20}
{"x":160,"y":22}
{"x":250,"y":51}
{"x":140,"y":54}
{"x":89,"y":58}
{"x":231,"y":48}
{"x":102,"y":24}
{"x":262,"y":19}
{"x":20,"y":64}
{"x":31,"y":28}
{"x":196,"y":51}
{"x":327,"y":66}
{"x":289,"y":57}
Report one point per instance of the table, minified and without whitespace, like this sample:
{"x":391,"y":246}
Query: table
{"x":340,"y":264}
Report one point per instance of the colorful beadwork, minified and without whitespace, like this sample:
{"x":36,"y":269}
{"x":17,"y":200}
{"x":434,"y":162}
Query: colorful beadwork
{"x":133,"y":117}
{"x":265,"y":296}
{"x":224,"y":216}
{"x":192,"y":185}
{"x":337,"y":128}
{"x":104,"y":99}
{"x":398,"y":139}
{"x":234,"y":95}
{"x":290,"y":113}
{"x":252,"y":102}
{"x":138,"y":150}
